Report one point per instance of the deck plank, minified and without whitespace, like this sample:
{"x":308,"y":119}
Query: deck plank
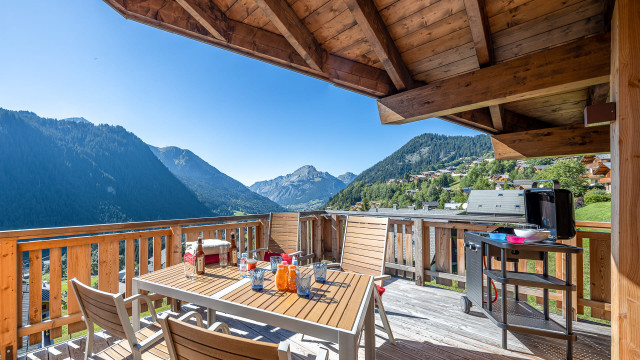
{"x":427,"y":324}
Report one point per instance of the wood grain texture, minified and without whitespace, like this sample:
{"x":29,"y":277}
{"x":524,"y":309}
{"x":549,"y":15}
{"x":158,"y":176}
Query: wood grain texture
{"x":79,"y":267}
{"x":55,"y":289}
{"x":479,"y":24}
{"x":297,"y":34}
{"x":9,"y":294}
{"x":625,"y":161}
{"x":108,"y":266}
{"x":569,"y":67}
{"x":567,"y":140}
{"x":375,"y":30}
{"x":35,"y":293}
{"x":443,"y":254}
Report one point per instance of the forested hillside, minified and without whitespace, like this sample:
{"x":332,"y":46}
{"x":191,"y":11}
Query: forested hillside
{"x":426,"y":152}
{"x":222,"y":194}
{"x":60,"y":173}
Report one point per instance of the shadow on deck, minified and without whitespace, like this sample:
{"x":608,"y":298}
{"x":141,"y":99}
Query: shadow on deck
{"x":427,"y":323}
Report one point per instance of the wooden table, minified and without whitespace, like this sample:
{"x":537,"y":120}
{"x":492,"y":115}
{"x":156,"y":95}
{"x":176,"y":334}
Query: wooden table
{"x":337,"y":311}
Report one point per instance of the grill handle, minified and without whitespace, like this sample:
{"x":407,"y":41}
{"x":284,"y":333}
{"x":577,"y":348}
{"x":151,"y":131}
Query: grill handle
{"x":556,"y":184}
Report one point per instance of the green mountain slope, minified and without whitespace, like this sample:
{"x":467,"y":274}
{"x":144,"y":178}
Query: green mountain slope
{"x":62,"y":173}
{"x":422,"y":153}
{"x":220,"y":193}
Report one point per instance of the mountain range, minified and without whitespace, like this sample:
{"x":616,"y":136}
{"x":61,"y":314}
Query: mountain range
{"x":63,"y":173}
{"x":304,"y":189}
{"x":219,"y":192}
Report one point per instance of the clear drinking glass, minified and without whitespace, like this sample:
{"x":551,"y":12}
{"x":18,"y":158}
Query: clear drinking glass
{"x":224,"y":256}
{"x":257,"y":279}
{"x":320,"y":272}
{"x":189,"y":265}
{"x":275,"y":260}
{"x":303,"y":284}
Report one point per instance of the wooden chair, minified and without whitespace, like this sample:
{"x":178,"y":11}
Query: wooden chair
{"x":363,"y":252}
{"x":189,"y":342}
{"x":109,"y":312}
{"x":284,"y":236}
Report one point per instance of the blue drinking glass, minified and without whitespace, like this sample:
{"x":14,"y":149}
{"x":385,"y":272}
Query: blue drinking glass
{"x":303,"y":284}
{"x":275,"y":260}
{"x":320,"y":271}
{"x":257,"y":279}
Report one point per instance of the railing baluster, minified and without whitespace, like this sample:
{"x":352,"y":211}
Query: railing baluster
{"x":461,"y":258}
{"x":79,"y":267}
{"x":35,"y":293}
{"x":408,"y":246}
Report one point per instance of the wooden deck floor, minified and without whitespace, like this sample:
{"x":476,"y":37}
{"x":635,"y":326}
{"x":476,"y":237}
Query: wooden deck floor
{"x":427,"y":323}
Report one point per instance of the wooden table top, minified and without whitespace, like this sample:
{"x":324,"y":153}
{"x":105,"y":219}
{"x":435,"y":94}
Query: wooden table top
{"x":335,"y":303}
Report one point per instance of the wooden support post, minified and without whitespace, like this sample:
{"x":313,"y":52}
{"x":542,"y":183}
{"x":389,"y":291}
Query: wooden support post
{"x":461,"y":260}
{"x":8,"y":297}
{"x":317,"y":239}
{"x":418,"y":241}
{"x":55,"y":289}
{"x":335,"y":236}
{"x":174,"y":256}
{"x":35,"y":293}
{"x":625,"y":161}
{"x":443,"y":254}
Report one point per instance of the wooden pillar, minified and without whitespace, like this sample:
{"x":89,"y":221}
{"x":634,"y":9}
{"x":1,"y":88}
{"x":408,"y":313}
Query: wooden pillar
{"x":175,"y":258}
{"x":625,"y":161}
{"x":9,"y":299}
{"x":418,"y":241}
{"x":335,"y":238}
{"x":317,"y":238}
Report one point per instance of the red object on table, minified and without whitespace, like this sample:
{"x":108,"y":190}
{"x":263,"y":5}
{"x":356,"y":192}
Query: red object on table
{"x":285,"y":257}
{"x":208,"y":259}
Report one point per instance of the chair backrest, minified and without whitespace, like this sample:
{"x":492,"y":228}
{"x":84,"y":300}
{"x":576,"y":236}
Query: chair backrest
{"x":284,"y":229}
{"x":190,"y":342}
{"x":104,"y":309}
{"x":364,"y":245}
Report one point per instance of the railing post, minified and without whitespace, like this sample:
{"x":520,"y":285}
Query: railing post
{"x":9,"y":298}
{"x":418,"y":241}
{"x":335,"y":223}
{"x":175,"y":258}
{"x":317,"y":239}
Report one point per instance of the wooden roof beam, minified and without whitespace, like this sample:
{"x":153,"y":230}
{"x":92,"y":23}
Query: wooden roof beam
{"x":375,"y":30}
{"x":209,"y":16}
{"x":479,"y":24}
{"x":558,"y":141}
{"x":298,"y":35}
{"x":252,"y":42}
{"x":573,"y":66}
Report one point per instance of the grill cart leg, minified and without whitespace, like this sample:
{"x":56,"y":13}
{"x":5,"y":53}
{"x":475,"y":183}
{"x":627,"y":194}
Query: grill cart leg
{"x":503,"y":265}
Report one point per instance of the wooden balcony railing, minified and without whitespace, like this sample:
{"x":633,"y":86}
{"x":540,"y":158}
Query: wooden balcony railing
{"x":420,"y":248}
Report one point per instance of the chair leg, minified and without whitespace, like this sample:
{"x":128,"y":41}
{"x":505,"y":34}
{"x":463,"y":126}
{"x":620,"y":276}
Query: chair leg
{"x":383,"y":316}
{"x":211,"y":317}
{"x":88,"y":350}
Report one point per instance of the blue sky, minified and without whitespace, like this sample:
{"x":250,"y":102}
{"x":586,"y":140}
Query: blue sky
{"x":251,"y":120}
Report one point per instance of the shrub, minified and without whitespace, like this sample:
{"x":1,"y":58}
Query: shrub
{"x":595,"y":196}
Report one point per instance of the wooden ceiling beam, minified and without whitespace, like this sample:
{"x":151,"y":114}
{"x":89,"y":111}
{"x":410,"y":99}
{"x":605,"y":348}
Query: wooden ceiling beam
{"x":558,"y":141}
{"x":375,"y":30}
{"x":479,"y":119}
{"x":573,"y":66}
{"x":252,"y":42}
{"x":299,"y":36}
{"x":209,"y":16}
{"x":480,"y":31}
{"x":598,"y":94}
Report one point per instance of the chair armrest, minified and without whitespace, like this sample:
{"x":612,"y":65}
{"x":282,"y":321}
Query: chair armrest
{"x":323,"y":354}
{"x":152,"y":310}
{"x":151,"y":340}
{"x":221,"y":327}
{"x":296,"y":253}
{"x":256,"y":250}
{"x":381,"y":277}
{"x":192,"y":314}
{"x":334,"y":265}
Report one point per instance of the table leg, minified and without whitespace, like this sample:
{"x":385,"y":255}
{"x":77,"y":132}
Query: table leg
{"x":135,"y":306}
{"x":370,"y":331}
{"x":347,"y":346}
{"x":211,"y":317}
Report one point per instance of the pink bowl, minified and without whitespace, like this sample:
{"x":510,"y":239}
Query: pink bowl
{"x":515,"y":239}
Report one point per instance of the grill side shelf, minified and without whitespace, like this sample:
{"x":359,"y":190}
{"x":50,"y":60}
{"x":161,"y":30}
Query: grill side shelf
{"x":528,"y":279}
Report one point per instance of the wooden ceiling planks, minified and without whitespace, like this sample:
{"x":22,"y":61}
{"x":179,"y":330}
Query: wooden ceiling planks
{"x":434,"y":38}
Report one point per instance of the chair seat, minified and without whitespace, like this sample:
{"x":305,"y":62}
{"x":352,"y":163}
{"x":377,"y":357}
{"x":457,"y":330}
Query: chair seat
{"x":122,"y":350}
